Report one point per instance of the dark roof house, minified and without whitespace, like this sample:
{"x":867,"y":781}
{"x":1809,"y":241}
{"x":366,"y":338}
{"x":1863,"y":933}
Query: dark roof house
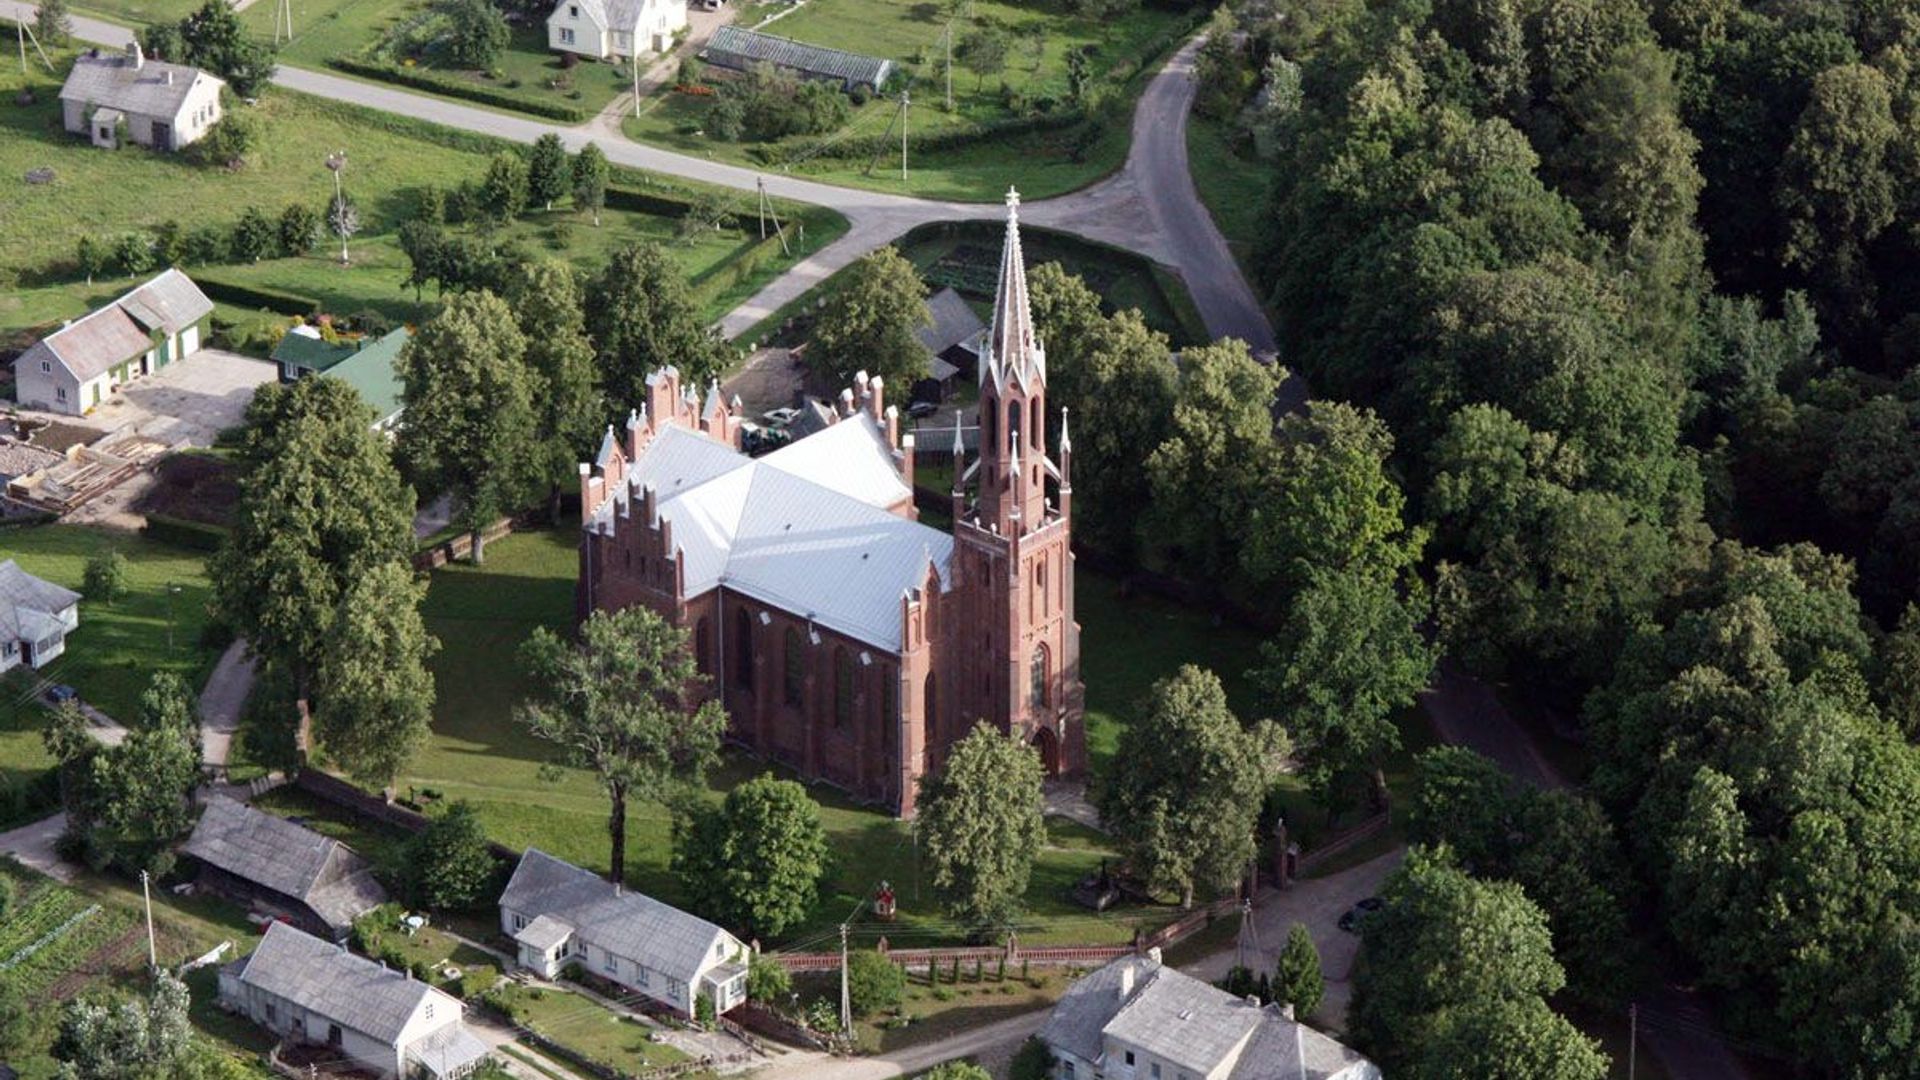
{"x":953,"y":338}
{"x":558,"y":913}
{"x":1138,"y":1011}
{"x":386,"y":1021}
{"x":738,"y":50}
{"x":262,"y":859}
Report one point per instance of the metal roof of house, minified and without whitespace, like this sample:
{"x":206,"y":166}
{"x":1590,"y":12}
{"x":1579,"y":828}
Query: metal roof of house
{"x":122,"y":330}
{"x":29,"y":606}
{"x":125,"y":81}
{"x":448,"y":1051}
{"x":626,"y":923}
{"x":954,"y":322}
{"x":373,"y":370}
{"x":303,"y":347}
{"x":1193,"y":1026}
{"x":805,"y":528}
{"x":544,"y":932}
{"x":612,"y":14}
{"x":348,"y":990}
{"x":277,"y":854}
{"x":734,"y":47}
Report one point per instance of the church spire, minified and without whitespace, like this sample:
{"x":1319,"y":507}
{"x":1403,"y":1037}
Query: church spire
{"x":1012,"y":352}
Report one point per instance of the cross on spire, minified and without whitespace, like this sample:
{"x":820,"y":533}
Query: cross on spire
{"x":1013,"y":354}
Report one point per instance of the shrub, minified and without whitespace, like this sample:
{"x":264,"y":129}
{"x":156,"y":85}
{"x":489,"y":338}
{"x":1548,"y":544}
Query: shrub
{"x":477,"y":980}
{"x":874,"y":982}
{"x":231,"y":141}
{"x":703,"y":1014}
{"x":768,"y":981}
{"x":1033,"y":1061}
{"x":105,"y":577}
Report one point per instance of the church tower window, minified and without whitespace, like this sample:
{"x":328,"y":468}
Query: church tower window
{"x":795,"y":669}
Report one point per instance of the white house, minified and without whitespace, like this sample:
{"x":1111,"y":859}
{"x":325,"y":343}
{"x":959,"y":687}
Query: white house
{"x":560,"y":915}
{"x":151,"y":102}
{"x":606,"y":29}
{"x":77,"y":366}
{"x":35,"y":618}
{"x":1137,"y":1019}
{"x":314,"y":992}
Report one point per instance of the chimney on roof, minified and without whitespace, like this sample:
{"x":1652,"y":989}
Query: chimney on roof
{"x":1285,"y":1010}
{"x":167,"y":76}
{"x":1126,"y":980}
{"x":135,"y":58}
{"x":1253,"y":1001}
{"x":1153,"y":956}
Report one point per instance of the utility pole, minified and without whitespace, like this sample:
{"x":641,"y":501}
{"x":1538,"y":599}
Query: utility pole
{"x":153,"y":955}
{"x":846,"y":1000}
{"x":903,"y":136}
{"x":636,"y":79}
{"x":1633,"y":1038}
{"x":949,"y":65}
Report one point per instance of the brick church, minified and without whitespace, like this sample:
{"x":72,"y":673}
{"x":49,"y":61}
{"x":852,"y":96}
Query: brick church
{"x":845,"y":638}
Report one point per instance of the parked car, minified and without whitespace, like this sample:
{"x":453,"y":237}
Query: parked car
{"x":1359,"y":913}
{"x":61,"y":693}
{"x":922,"y":409}
{"x":779,"y":418}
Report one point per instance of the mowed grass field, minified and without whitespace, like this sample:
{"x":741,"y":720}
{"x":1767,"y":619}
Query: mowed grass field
{"x":478,"y":753}
{"x":911,"y":33}
{"x":115,"y":651}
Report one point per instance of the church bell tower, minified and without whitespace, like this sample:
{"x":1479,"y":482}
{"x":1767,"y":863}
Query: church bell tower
{"x":1013,"y":538}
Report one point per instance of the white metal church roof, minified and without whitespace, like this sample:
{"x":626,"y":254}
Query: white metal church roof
{"x":805,"y":529}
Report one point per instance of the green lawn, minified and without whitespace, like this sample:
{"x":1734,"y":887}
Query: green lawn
{"x":115,"y":651}
{"x":909,"y":32}
{"x":1233,"y":186}
{"x":106,"y":193}
{"x":478,"y":753}
{"x":587,"y":1027}
{"x":142,"y":12}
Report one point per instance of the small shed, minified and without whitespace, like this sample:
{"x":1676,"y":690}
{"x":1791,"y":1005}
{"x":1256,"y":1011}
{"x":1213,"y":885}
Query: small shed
{"x":736,"y":49}
{"x":268,"y":862}
{"x":952,"y":340}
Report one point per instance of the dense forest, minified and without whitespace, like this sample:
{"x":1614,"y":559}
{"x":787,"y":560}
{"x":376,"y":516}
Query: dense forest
{"x":1636,"y":288}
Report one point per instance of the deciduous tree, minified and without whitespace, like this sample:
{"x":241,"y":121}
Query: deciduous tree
{"x":869,"y":323}
{"x":133,"y":1040}
{"x":590,"y":180}
{"x":548,"y":172}
{"x":477,"y":32}
{"x":505,"y":187}
{"x":546,"y":296}
{"x":321,"y":506}
{"x":253,"y":235}
{"x":51,"y":23}
{"x":299,"y":229}
{"x":616,"y":703}
{"x":373,"y":692}
{"x":450,"y":861}
{"x":105,"y":577}
{"x":981,"y":824}
{"x":1186,"y":805}
{"x":470,"y":428}
{"x":642,"y":318}
{"x":756,"y":861}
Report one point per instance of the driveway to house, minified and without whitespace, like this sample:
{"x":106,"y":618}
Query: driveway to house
{"x":221,"y":702}
{"x":32,"y":846}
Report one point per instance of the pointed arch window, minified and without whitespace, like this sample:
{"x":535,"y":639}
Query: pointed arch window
{"x":842,"y":688}
{"x":1041,"y":676}
{"x":929,"y":712}
{"x":702,"y":647}
{"x":1034,"y":428}
{"x":1013,"y":425}
{"x":794,"y":669}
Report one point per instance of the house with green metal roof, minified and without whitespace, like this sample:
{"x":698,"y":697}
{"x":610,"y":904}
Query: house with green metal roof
{"x":303,"y":352}
{"x":374,"y":370}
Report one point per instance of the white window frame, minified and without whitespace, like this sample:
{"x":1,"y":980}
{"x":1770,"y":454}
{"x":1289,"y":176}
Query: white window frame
{"x":566,"y":35}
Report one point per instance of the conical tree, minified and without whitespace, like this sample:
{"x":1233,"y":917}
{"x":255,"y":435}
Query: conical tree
{"x":1297,"y":980}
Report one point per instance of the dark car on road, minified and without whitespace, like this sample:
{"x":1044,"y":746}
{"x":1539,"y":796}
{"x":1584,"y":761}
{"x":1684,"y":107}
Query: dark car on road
{"x":1359,"y":913}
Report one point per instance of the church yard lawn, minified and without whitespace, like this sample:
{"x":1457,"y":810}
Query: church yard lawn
{"x":113,"y":653}
{"x":479,"y":754}
{"x":909,"y":33}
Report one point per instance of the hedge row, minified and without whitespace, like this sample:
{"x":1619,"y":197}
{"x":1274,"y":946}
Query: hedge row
{"x":195,"y":535}
{"x":421,"y":80}
{"x":254,"y":297}
{"x":636,"y":201}
{"x":739,"y":268}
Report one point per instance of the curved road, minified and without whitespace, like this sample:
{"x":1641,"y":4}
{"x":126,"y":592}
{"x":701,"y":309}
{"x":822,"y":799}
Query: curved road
{"x":1153,"y":188}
